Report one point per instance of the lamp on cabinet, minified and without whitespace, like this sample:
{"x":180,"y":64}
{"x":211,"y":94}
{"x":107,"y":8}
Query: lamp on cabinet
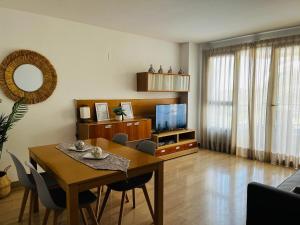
{"x":85,"y":113}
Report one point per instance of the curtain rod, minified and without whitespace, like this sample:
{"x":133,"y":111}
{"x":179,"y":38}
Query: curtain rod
{"x":259,"y":34}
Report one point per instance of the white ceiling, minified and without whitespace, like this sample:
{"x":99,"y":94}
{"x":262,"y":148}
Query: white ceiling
{"x":173,"y":20}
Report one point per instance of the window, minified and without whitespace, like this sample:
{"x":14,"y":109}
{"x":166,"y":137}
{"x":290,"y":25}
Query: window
{"x":220,"y":92}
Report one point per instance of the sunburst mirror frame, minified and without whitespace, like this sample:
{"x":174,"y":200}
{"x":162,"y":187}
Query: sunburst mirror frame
{"x":21,"y":57}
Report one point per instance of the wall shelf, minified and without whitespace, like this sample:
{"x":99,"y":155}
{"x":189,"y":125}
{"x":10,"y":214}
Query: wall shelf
{"x":162,"y":82}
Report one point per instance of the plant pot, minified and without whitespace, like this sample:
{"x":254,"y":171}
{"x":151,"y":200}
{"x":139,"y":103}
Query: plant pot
{"x":118,"y":117}
{"x":5,"y":184}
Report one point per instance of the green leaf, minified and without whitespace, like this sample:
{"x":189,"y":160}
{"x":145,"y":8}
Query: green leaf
{"x":19,"y":109}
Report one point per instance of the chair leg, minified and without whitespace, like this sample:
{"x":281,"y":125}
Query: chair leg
{"x":47,"y":213}
{"x":121,"y":208}
{"x":126,"y":198}
{"x":31,"y":206}
{"x":24,"y":201}
{"x":36,"y":202}
{"x":84,"y":219}
{"x":56,"y":215}
{"x":99,"y":190}
{"x":103,"y":204}
{"x":133,"y":198}
{"x":148,"y":200}
{"x":92,"y":214}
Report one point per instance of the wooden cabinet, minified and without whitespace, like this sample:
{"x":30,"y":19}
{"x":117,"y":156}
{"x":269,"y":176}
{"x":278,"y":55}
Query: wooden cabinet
{"x":137,"y":129}
{"x":104,"y":130}
{"x":175,"y":143}
{"x":162,"y":82}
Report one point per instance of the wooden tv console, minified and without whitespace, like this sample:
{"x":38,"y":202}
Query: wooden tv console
{"x":175,"y":143}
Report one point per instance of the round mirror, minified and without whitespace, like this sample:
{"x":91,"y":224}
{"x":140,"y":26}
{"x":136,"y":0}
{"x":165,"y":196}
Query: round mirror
{"x":28,"y":77}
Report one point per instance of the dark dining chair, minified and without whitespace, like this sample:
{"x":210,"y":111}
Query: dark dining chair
{"x":27,"y":181}
{"x":132,"y":183}
{"x":119,"y":138}
{"x":55,"y":199}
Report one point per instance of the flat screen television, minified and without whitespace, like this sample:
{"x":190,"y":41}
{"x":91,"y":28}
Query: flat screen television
{"x":170,"y":117}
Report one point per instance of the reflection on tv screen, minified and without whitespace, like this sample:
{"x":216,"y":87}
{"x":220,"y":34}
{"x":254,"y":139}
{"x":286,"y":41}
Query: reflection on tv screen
{"x":170,"y":117}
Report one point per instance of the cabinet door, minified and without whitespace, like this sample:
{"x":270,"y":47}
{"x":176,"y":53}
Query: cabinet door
{"x":147,"y":129}
{"x":142,"y":129}
{"x":118,"y":128}
{"x":106,"y":131}
{"x":129,"y":129}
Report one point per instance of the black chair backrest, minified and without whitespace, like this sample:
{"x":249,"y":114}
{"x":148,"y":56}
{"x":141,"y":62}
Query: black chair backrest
{"x":120,"y":138}
{"x":147,"y":147}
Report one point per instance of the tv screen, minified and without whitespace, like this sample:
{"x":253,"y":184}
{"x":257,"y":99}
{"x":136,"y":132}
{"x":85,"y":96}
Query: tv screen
{"x":170,"y":117}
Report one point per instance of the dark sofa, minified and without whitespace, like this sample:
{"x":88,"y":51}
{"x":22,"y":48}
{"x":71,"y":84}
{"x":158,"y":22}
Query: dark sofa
{"x":270,"y":205}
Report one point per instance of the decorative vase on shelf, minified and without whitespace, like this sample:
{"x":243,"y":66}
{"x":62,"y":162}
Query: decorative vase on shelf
{"x":180,"y":71}
{"x":160,"y":70}
{"x":170,"y":70}
{"x":151,"y":69}
{"x":119,"y":117}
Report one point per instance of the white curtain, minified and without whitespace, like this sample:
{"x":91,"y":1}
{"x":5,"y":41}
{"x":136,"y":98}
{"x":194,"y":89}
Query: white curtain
{"x":286,"y":106}
{"x":253,"y":79}
{"x":251,"y":100}
{"x":219,"y":101}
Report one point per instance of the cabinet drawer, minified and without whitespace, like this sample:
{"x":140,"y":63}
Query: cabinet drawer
{"x":165,"y":151}
{"x":190,"y":145}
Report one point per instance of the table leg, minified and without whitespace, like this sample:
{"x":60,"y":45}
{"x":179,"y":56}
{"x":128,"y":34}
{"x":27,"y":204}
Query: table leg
{"x":72,"y":205}
{"x":159,"y":195}
{"x":36,"y":199}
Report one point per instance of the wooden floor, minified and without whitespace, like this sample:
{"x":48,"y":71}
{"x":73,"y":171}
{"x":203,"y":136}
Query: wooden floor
{"x":205,"y":188}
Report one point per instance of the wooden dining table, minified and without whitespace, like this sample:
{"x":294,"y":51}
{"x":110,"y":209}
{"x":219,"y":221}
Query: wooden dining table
{"x":74,"y":176}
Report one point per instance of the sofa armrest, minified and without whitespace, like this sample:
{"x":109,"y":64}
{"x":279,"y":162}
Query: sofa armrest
{"x":269,"y":205}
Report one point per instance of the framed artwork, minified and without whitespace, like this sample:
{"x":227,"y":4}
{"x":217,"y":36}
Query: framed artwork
{"x":126,"y":106}
{"x":102,"y":111}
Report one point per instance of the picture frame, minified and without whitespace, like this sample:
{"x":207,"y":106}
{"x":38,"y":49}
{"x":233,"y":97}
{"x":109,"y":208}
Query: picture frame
{"x":126,"y":106}
{"x":102,"y":112}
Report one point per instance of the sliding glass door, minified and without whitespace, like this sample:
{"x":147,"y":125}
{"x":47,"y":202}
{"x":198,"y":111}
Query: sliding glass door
{"x":286,"y":106}
{"x":251,"y":100}
{"x":253,"y":74}
{"x":220,"y":90}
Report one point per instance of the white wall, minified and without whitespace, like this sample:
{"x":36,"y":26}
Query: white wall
{"x":189,"y":59}
{"x":91,"y":62}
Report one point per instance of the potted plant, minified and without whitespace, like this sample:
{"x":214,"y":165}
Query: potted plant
{"x":119,"y":113}
{"x":6,"y":123}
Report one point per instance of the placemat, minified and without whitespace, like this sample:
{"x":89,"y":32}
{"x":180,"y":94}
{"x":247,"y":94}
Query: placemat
{"x":111,"y":162}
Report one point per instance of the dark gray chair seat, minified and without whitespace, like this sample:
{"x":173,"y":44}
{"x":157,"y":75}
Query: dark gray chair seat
{"x":84,"y":198}
{"x":147,"y":147}
{"x":122,"y":139}
{"x":55,"y":199}
{"x":50,"y":182}
{"x":131,"y":183}
{"x":27,"y":181}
